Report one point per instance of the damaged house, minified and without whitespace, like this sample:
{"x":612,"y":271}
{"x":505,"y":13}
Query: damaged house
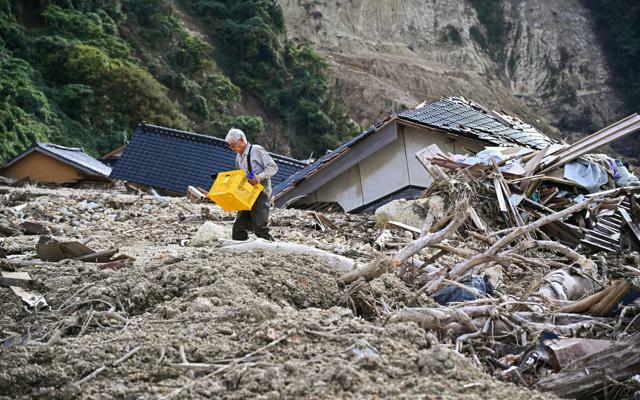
{"x":380,"y":164}
{"x":172,"y":160}
{"x":51,"y":163}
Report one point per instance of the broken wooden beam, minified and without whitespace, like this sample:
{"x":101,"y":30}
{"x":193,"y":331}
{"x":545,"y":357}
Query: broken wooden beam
{"x":587,"y":376}
{"x":589,"y":143}
{"x":195,"y":195}
{"x":325,"y":221}
{"x":565,"y":351}
{"x":531,"y":166}
{"x":502,"y":205}
{"x":404,"y":226}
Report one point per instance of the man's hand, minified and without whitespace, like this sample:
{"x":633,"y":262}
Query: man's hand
{"x":255,"y":180}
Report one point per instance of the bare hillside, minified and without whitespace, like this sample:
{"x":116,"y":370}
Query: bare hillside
{"x":392,"y":54}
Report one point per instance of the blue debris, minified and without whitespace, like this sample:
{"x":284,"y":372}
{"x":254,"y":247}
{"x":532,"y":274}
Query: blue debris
{"x":455,"y":294}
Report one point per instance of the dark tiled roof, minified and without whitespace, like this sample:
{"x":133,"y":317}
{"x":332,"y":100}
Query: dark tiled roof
{"x":455,"y":115}
{"x":469,"y":119}
{"x":172,"y":160}
{"x":69,"y":155}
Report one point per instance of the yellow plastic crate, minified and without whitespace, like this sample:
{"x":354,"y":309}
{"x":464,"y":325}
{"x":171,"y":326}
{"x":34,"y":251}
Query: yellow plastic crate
{"x":233,"y":192}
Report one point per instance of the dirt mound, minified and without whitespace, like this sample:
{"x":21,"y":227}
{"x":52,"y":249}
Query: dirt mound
{"x":209,"y":322}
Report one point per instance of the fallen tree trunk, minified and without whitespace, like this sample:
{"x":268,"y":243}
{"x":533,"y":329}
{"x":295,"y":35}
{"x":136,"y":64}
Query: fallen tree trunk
{"x":589,"y":375}
{"x":562,"y":249}
{"x":339,"y":262}
{"x":471,"y":318}
{"x":467,"y":265}
{"x":435,"y":318}
{"x":381,"y":264}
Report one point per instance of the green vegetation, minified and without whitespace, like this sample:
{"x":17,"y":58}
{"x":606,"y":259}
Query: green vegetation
{"x":184,"y":64}
{"x":492,"y":34}
{"x":18,"y":93}
{"x":68,"y":77}
{"x":85,"y":72}
{"x":290,"y":80}
{"x":618,"y":30}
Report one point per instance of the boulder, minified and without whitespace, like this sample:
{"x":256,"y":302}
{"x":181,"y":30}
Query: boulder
{"x":409,"y":212}
{"x":208,"y":234}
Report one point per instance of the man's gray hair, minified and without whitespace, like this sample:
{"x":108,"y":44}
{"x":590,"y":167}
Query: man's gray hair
{"x":234,"y":135}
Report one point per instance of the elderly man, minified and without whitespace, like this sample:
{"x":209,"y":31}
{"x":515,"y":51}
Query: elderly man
{"x":260,"y":167}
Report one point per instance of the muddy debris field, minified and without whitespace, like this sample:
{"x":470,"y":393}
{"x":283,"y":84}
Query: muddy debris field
{"x":179,"y":311}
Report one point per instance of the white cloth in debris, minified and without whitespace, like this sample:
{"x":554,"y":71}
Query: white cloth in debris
{"x":626,"y":177}
{"x":587,"y":174}
{"x":484,"y":157}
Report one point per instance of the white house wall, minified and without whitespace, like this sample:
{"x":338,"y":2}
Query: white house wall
{"x":389,"y":169}
{"x":345,"y":189}
{"x":417,"y":139}
{"x":385,"y":171}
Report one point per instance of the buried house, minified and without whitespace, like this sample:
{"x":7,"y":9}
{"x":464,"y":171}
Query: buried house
{"x":54,"y":164}
{"x":172,"y":160}
{"x":380,"y":165}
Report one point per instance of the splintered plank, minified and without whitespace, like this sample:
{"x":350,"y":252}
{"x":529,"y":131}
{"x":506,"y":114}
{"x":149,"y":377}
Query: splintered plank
{"x":500,"y":196}
{"x":531,"y":166}
{"x":404,"y":226}
{"x":632,"y":226}
{"x":326,"y":221}
{"x":479,"y":223}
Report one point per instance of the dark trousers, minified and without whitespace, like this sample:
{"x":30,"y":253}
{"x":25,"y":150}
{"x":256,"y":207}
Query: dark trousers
{"x":256,"y":220}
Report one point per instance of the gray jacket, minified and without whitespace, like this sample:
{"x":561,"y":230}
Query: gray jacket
{"x":262,"y":164}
